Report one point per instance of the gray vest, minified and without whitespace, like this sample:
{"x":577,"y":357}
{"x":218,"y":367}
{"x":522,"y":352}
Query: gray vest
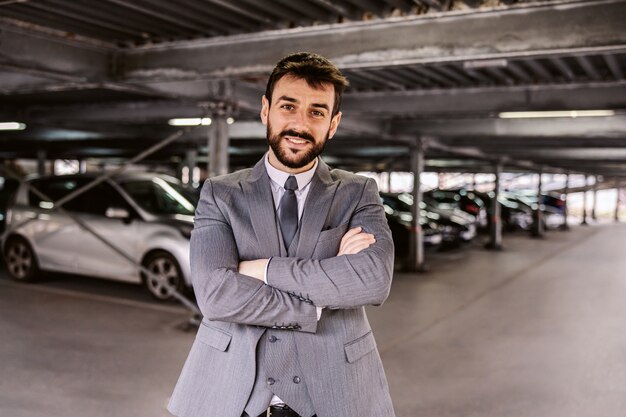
{"x":277,"y":369}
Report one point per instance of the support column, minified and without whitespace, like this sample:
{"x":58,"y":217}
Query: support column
{"x":191,"y":158}
{"x":218,"y":146}
{"x":595,"y":198}
{"x":584,"y":221}
{"x":495,"y":229}
{"x":538,"y":230}
{"x":565,"y":225}
{"x":41,"y":162}
{"x":416,"y":241}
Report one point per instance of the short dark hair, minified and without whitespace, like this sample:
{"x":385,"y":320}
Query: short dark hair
{"x":314,"y":69}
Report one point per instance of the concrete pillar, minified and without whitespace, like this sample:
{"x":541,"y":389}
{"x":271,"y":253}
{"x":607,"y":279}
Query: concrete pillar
{"x":191,"y":160}
{"x":218,"y":146}
{"x":474,"y":181}
{"x":584,"y":221}
{"x":41,"y":162}
{"x":538,"y":230}
{"x":595,"y":198}
{"x":565,"y":225}
{"x":416,"y":242}
{"x":495,"y":231}
{"x":82,"y":166}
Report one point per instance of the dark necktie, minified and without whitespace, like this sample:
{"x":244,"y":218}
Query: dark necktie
{"x":289,"y":211}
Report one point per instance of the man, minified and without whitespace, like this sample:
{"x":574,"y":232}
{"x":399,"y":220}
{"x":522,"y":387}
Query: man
{"x":284,"y":257}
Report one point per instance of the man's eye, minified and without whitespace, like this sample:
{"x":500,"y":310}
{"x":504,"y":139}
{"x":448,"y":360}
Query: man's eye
{"x":317,"y":113}
{"x":287,"y":107}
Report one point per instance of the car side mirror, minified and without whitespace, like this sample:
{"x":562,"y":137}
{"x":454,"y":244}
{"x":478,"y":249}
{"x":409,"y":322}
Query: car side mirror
{"x":117,"y":213}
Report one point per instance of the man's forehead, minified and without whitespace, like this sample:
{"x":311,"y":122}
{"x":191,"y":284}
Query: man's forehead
{"x":290,"y":85}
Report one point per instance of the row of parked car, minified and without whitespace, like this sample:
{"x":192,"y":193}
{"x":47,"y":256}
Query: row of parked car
{"x":453,"y":216}
{"x":143,"y":222}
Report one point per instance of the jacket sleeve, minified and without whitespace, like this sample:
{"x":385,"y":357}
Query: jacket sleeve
{"x":224,"y":294}
{"x":346,"y":281}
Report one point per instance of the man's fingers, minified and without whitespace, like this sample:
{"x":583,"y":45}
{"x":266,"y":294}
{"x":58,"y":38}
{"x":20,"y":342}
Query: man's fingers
{"x":351,"y":233}
{"x":356,"y":243}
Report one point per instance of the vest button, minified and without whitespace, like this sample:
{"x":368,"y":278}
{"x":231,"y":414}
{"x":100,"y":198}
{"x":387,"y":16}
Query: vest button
{"x":271,"y":381}
{"x":296,"y":380}
{"x":273,"y":338}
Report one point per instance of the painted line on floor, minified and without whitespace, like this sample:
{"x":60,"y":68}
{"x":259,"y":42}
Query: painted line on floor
{"x":94,"y":297}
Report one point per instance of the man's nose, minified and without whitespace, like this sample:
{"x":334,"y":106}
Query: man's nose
{"x":298,"y":119}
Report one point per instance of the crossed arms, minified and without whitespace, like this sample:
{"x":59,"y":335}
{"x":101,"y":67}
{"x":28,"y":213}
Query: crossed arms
{"x":226,"y":290}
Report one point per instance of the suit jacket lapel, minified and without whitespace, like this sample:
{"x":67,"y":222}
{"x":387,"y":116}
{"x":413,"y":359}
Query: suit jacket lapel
{"x":316,"y":208}
{"x":258,"y":191}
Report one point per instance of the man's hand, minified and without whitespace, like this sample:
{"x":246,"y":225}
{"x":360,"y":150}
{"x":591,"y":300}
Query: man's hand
{"x":354,"y":241}
{"x":254,"y":269}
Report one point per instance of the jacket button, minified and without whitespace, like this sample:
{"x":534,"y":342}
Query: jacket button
{"x":272,"y":339}
{"x":296,"y":379}
{"x":271,"y":381}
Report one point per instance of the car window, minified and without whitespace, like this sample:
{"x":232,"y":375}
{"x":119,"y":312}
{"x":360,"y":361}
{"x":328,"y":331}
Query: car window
{"x":161,"y":197}
{"x":94,"y":201}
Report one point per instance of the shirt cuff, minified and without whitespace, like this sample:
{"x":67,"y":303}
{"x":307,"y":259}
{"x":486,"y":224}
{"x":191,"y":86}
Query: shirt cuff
{"x":265,"y":272}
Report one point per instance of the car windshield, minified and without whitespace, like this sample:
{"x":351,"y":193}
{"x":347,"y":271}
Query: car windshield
{"x":159,"y":196}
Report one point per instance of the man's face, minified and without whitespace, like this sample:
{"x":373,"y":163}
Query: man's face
{"x":299,"y":123}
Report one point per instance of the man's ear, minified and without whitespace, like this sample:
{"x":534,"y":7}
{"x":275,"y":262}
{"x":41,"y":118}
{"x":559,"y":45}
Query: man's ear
{"x":265,"y":109}
{"x":334,"y":124}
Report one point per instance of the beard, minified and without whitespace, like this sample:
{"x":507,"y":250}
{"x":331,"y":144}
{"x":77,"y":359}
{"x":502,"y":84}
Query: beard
{"x":293,"y":158}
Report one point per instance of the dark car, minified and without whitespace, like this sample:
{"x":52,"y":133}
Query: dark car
{"x":454,"y":225}
{"x":400,"y":223}
{"x":466,"y":200}
{"x":515,"y":213}
{"x":553,"y":206}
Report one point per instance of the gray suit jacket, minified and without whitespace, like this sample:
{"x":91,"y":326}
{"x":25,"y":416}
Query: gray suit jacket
{"x":236,"y":221}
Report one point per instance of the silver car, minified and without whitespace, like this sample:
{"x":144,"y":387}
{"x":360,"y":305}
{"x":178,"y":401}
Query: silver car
{"x":147,"y":217}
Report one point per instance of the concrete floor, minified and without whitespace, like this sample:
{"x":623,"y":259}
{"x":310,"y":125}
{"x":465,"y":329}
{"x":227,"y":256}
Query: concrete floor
{"x":538,"y":329}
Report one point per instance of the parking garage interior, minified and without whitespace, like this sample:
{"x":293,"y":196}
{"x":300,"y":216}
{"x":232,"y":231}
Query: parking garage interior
{"x":520,"y":102}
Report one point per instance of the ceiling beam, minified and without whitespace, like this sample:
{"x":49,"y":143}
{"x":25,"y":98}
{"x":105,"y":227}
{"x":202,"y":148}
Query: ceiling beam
{"x":42,"y":54}
{"x":580,"y":127}
{"x":457,"y":36}
{"x":485,"y":100}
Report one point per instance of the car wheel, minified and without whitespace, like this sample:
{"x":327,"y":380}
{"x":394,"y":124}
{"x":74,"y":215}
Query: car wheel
{"x":166,"y":277}
{"x":20,"y":260}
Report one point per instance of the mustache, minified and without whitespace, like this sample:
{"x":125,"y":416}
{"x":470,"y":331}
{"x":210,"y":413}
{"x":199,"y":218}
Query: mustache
{"x":301,"y":135}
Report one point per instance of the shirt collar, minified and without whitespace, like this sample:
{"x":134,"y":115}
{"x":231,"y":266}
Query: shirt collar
{"x":279,"y":177}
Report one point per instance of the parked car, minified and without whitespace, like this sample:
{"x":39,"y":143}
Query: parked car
{"x":515,"y":213}
{"x":149,"y":217}
{"x":400,"y":222}
{"x":455,"y":225}
{"x":463,"y":199}
{"x":552,"y":206}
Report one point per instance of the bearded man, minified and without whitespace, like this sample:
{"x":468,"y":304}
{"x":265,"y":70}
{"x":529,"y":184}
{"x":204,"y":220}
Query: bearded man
{"x":284,"y":258}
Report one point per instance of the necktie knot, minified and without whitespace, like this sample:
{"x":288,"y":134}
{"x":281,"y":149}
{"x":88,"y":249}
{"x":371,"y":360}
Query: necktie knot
{"x":291,"y":184}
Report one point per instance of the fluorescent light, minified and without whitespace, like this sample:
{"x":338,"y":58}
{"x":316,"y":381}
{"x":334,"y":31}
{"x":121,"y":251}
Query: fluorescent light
{"x":195,"y":121}
{"x":558,"y":113}
{"x":230,"y":120}
{"x":486,"y":63}
{"x":12,"y":126}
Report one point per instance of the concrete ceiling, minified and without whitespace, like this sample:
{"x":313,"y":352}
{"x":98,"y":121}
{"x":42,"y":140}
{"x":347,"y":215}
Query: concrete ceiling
{"x":102,"y":78}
